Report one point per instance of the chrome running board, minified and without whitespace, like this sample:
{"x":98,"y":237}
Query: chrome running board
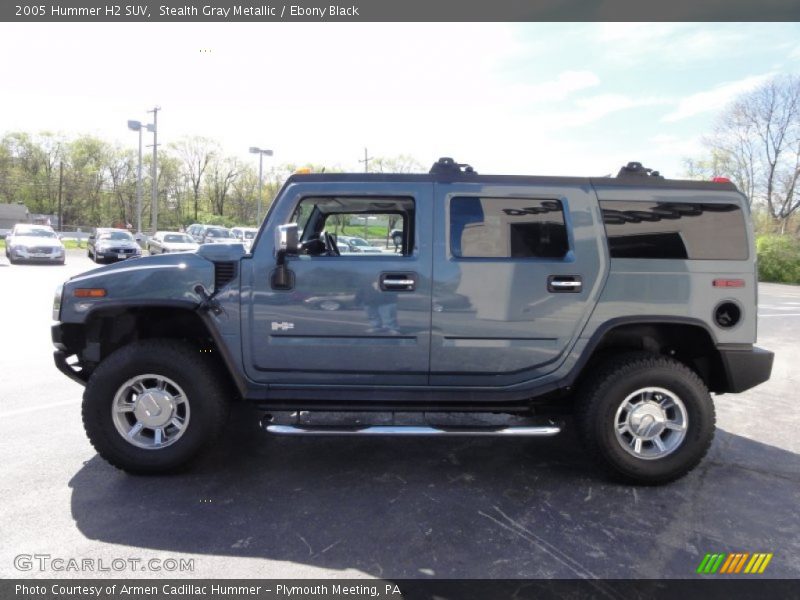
{"x":395,"y":430}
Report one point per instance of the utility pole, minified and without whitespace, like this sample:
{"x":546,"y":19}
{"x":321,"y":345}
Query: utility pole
{"x":139,"y":187}
{"x":60,"y":183}
{"x":154,"y":170}
{"x":366,"y":161}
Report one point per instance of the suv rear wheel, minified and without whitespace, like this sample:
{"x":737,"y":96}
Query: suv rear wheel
{"x":646,"y":418}
{"x":153,"y":405}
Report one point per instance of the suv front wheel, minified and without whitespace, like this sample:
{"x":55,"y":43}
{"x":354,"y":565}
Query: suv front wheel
{"x":153,"y":405}
{"x":647,"y":419}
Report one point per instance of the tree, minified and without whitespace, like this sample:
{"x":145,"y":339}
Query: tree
{"x":219,"y":179}
{"x":196,"y":153}
{"x":401,"y":163}
{"x":757,"y":141}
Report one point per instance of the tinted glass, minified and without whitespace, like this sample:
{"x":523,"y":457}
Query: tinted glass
{"x":115,"y":235}
{"x":219,"y":233}
{"x":35,"y":233}
{"x":507,"y":228}
{"x":178,"y":238}
{"x":677,"y":230}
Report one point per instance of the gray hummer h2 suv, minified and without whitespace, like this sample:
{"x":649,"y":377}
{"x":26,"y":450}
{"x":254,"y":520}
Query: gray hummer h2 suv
{"x":623,"y":301}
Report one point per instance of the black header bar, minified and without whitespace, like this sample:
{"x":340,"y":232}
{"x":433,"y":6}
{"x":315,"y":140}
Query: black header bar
{"x":398,"y":10}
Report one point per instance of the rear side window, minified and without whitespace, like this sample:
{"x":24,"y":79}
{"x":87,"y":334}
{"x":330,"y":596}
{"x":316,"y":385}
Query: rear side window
{"x":682,"y":230}
{"x":507,"y":228}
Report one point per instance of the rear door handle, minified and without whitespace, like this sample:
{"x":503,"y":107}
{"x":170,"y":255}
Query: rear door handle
{"x":398,"y":282}
{"x":564,"y":283}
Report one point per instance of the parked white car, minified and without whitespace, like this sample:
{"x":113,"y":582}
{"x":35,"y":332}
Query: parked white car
{"x":34,"y":243}
{"x":246,"y":235}
{"x":171,"y":241}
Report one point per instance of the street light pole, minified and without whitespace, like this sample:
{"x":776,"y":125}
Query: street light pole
{"x":261,"y":153}
{"x":137,"y":126}
{"x":154,"y":169}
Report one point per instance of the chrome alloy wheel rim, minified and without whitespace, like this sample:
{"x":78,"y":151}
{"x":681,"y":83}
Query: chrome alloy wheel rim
{"x":651,"y":423}
{"x":150,"y":411}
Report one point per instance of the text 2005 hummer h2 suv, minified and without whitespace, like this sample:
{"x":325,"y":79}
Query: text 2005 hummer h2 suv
{"x":624,"y":300}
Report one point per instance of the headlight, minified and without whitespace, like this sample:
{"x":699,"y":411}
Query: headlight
{"x":57,"y":302}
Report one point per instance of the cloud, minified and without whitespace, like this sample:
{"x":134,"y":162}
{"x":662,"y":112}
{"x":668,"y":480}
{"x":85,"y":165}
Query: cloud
{"x":714,"y":99}
{"x":629,"y":44}
{"x":566,"y":84}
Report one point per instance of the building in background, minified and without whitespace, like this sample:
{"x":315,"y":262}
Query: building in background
{"x":10,"y":215}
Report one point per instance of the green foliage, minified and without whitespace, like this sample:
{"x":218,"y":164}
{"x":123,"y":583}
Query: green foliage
{"x":196,"y":181}
{"x":778,"y":258}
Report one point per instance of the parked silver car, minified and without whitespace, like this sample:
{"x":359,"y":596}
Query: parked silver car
{"x":34,"y":243}
{"x":358,"y":245}
{"x":246,"y":235}
{"x":171,"y":241}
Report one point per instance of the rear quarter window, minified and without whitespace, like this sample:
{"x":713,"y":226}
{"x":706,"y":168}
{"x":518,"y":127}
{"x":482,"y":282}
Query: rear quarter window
{"x":675,"y":230}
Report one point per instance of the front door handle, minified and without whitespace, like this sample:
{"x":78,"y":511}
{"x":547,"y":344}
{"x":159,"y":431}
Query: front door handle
{"x":398,"y":282}
{"x":564,"y":283}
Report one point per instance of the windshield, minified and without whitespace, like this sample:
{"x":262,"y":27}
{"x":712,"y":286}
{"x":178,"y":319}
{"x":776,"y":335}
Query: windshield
{"x":219,"y":233}
{"x":359,"y":242}
{"x":116,"y":235}
{"x":45,"y":233}
{"x":178,"y":238}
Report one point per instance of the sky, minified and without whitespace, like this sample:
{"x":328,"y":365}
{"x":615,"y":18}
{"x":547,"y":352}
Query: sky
{"x":534,"y":99}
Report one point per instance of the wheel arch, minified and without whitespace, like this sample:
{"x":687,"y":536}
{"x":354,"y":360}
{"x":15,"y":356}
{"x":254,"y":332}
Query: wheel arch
{"x":686,"y":339}
{"x":114,"y":325}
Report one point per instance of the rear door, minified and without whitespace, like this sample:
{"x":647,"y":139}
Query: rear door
{"x":353,"y":319}
{"x":517,"y":271}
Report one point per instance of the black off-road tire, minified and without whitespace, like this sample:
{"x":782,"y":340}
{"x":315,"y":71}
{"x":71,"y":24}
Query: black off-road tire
{"x":601,"y":394}
{"x":184,"y":364}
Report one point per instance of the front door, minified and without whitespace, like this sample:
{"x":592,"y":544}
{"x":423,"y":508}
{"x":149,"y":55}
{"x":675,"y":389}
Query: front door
{"x":358,"y":312}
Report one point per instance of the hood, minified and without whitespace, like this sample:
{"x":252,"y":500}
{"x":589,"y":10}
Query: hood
{"x":221,"y":252}
{"x":117,"y":243}
{"x":151,"y":279}
{"x":180,"y":245}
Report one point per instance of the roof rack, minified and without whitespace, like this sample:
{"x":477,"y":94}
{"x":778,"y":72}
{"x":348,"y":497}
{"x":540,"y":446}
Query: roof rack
{"x":447,"y":165}
{"x":635,"y":169}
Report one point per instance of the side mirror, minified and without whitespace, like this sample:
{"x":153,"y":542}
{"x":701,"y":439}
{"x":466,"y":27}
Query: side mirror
{"x":286,"y":244}
{"x":286,"y":240}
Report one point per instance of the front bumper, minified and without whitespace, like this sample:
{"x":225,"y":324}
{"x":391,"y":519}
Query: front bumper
{"x":746,"y":367}
{"x":64,"y":338}
{"x":21,"y":254}
{"x":112,"y":255}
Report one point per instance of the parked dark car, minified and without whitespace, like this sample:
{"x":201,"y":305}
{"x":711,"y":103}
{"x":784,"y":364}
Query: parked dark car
{"x":107,"y":244}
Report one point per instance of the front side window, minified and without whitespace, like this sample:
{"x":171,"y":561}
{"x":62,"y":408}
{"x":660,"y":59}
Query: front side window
{"x":355,"y":226}
{"x":507,"y":228}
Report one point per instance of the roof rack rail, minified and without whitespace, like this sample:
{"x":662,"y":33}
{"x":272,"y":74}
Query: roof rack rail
{"x":635,"y":169}
{"x":447,"y":165}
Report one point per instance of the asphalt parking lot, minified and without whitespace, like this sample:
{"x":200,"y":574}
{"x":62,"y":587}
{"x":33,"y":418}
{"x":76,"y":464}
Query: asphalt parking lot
{"x":268,"y":507}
